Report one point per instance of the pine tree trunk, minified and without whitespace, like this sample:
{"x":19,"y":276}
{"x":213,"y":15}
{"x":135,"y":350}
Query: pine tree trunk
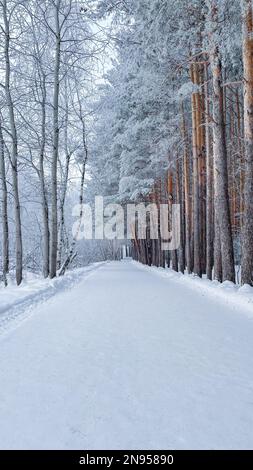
{"x":196,"y":192}
{"x":241,"y":154}
{"x":202,"y":168}
{"x":217,"y":253}
{"x":221,"y":194}
{"x":247,"y":238}
{"x":209,"y":188}
{"x":171,"y":194}
{"x":181,"y":251}
{"x":187,"y":199}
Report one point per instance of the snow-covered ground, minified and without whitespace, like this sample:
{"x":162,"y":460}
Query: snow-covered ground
{"x":17,"y":303}
{"x":237,"y":297}
{"x":128,"y":359}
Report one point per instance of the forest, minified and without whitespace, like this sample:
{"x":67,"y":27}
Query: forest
{"x":126,"y":231}
{"x":148,"y":101}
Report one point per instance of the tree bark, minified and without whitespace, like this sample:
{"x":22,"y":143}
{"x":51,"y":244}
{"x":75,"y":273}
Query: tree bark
{"x":64,"y":189}
{"x":196,"y":192}
{"x":247,"y":237}
{"x":71,"y":254}
{"x":187,"y":199}
{"x":14,"y":152}
{"x":221,"y":194}
{"x":171,"y":194}
{"x":209,"y":188}
{"x":4,"y":209}
{"x":54,"y":196}
{"x":217,"y":253}
{"x":45,"y":221}
{"x":179,"y":200}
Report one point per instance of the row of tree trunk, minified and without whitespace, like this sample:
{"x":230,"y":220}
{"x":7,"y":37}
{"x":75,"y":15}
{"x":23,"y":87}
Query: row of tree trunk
{"x":212,"y":179}
{"x":52,"y":191}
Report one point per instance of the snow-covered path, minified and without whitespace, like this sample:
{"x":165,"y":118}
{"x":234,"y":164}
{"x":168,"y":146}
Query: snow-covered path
{"x":128,"y":360}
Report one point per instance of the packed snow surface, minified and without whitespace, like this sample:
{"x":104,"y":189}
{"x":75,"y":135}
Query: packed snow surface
{"x":127,"y":359}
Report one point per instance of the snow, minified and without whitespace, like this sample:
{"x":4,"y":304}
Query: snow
{"x":237,"y":297}
{"x":16,"y":303}
{"x":130,"y":359}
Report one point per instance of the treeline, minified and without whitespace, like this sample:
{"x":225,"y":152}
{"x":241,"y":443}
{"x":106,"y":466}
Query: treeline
{"x":176,"y":125}
{"x":48,"y":56}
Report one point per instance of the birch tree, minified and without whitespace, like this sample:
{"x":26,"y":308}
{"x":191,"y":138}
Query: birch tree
{"x":7,"y":16}
{"x":4,"y":210}
{"x":54,"y":209}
